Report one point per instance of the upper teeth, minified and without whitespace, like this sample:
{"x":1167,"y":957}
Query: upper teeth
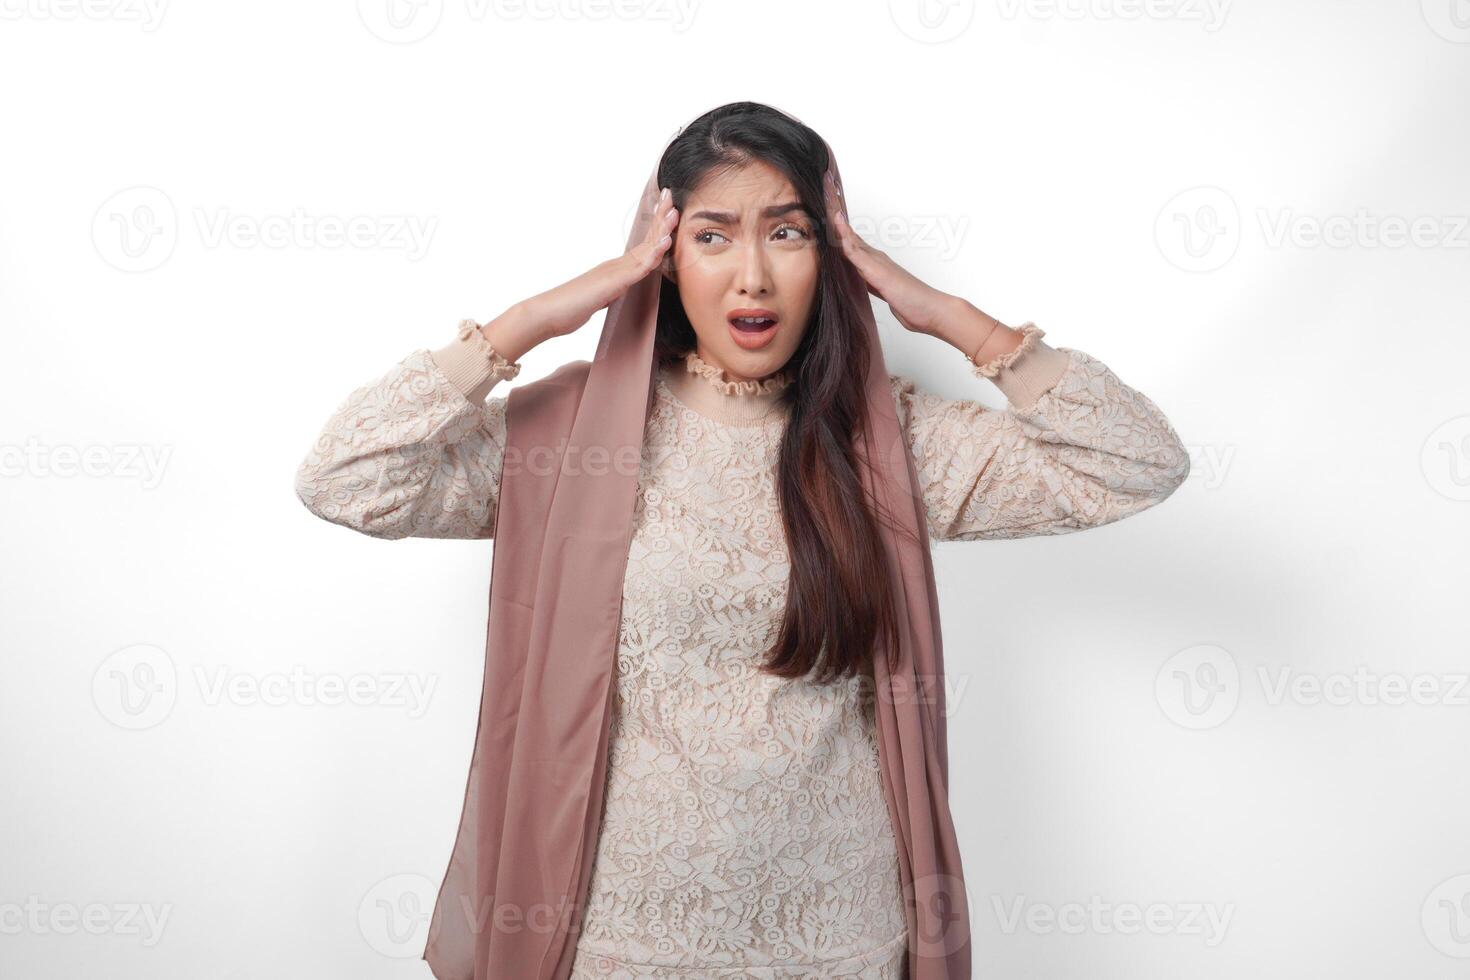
{"x":752,"y":319}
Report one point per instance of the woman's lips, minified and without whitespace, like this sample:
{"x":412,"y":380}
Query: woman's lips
{"x":751,"y":337}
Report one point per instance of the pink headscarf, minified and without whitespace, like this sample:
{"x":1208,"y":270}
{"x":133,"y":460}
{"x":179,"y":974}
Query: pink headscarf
{"x":512,"y":898}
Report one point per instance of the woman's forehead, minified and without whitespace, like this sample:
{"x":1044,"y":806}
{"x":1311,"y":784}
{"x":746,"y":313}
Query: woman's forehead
{"x":748,"y":187}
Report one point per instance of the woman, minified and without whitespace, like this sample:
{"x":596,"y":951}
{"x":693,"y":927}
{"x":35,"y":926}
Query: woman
{"x":743,"y":826}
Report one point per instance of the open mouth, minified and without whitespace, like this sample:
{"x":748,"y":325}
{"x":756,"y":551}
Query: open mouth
{"x":752,"y":324}
{"x":752,"y":328}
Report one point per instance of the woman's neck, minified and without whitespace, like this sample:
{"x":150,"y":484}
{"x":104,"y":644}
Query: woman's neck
{"x":706,"y":389}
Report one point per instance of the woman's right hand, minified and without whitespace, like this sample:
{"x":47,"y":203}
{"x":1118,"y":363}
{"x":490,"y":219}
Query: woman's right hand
{"x":565,"y":308}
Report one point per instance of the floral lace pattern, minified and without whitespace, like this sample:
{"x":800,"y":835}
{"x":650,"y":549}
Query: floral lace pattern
{"x":745,"y":832}
{"x":408,"y":455}
{"x":1089,"y":452}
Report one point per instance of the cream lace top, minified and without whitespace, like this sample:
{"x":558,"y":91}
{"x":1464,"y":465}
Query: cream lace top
{"x":745,"y":831}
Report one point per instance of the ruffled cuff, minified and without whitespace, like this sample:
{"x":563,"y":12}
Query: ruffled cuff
{"x":471,"y":364}
{"x":1026,"y":373}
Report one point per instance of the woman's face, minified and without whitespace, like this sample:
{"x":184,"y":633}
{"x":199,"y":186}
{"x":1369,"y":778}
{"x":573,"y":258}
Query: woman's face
{"x":745,"y":246}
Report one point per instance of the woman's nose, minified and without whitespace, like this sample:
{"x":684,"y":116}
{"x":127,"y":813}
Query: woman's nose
{"x":755,"y":272}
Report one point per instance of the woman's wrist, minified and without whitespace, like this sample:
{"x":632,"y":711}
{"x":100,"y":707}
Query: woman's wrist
{"x":513,"y":333}
{"x":977,"y":334}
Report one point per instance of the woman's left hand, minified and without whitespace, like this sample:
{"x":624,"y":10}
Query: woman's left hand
{"x":915,"y":304}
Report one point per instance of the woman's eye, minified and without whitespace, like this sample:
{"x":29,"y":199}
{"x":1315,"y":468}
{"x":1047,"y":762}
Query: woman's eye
{"x":783,"y":233}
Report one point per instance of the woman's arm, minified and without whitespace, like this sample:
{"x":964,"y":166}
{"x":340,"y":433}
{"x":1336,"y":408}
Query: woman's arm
{"x":1076,"y":448}
{"x":416,"y":453}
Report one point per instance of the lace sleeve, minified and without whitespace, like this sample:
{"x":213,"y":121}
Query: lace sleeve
{"x":1077,"y":448}
{"x":416,"y":453}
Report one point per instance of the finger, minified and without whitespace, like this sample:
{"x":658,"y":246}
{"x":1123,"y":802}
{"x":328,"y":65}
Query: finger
{"x":834,"y":194}
{"x":657,"y":238}
{"x":867,"y":264}
{"x":837,"y":219}
{"x":656,"y":225}
{"x":875,"y":266}
{"x":668,"y":220}
{"x":829,"y":200}
{"x":664,"y":247}
{"x":852,"y":243}
{"x":829,"y":195}
{"x":639,"y":260}
{"x":654,"y":251}
{"x":673,"y":216}
{"x":844,"y":233}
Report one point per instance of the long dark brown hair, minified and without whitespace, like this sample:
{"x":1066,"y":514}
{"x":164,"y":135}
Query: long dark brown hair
{"x":839,"y":602}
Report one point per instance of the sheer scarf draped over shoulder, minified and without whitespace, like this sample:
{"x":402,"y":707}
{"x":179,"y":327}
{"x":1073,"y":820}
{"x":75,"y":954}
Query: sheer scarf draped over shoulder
{"x":511,"y":898}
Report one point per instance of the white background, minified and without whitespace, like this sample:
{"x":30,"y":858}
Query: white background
{"x":1211,"y":200}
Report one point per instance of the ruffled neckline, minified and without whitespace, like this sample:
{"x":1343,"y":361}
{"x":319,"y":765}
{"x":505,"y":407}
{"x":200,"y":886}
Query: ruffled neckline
{"x":769,"y":385}
{"x":704,"y":389}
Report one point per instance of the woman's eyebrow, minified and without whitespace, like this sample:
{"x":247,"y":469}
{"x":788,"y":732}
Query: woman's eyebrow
{"x":727,"y":218}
